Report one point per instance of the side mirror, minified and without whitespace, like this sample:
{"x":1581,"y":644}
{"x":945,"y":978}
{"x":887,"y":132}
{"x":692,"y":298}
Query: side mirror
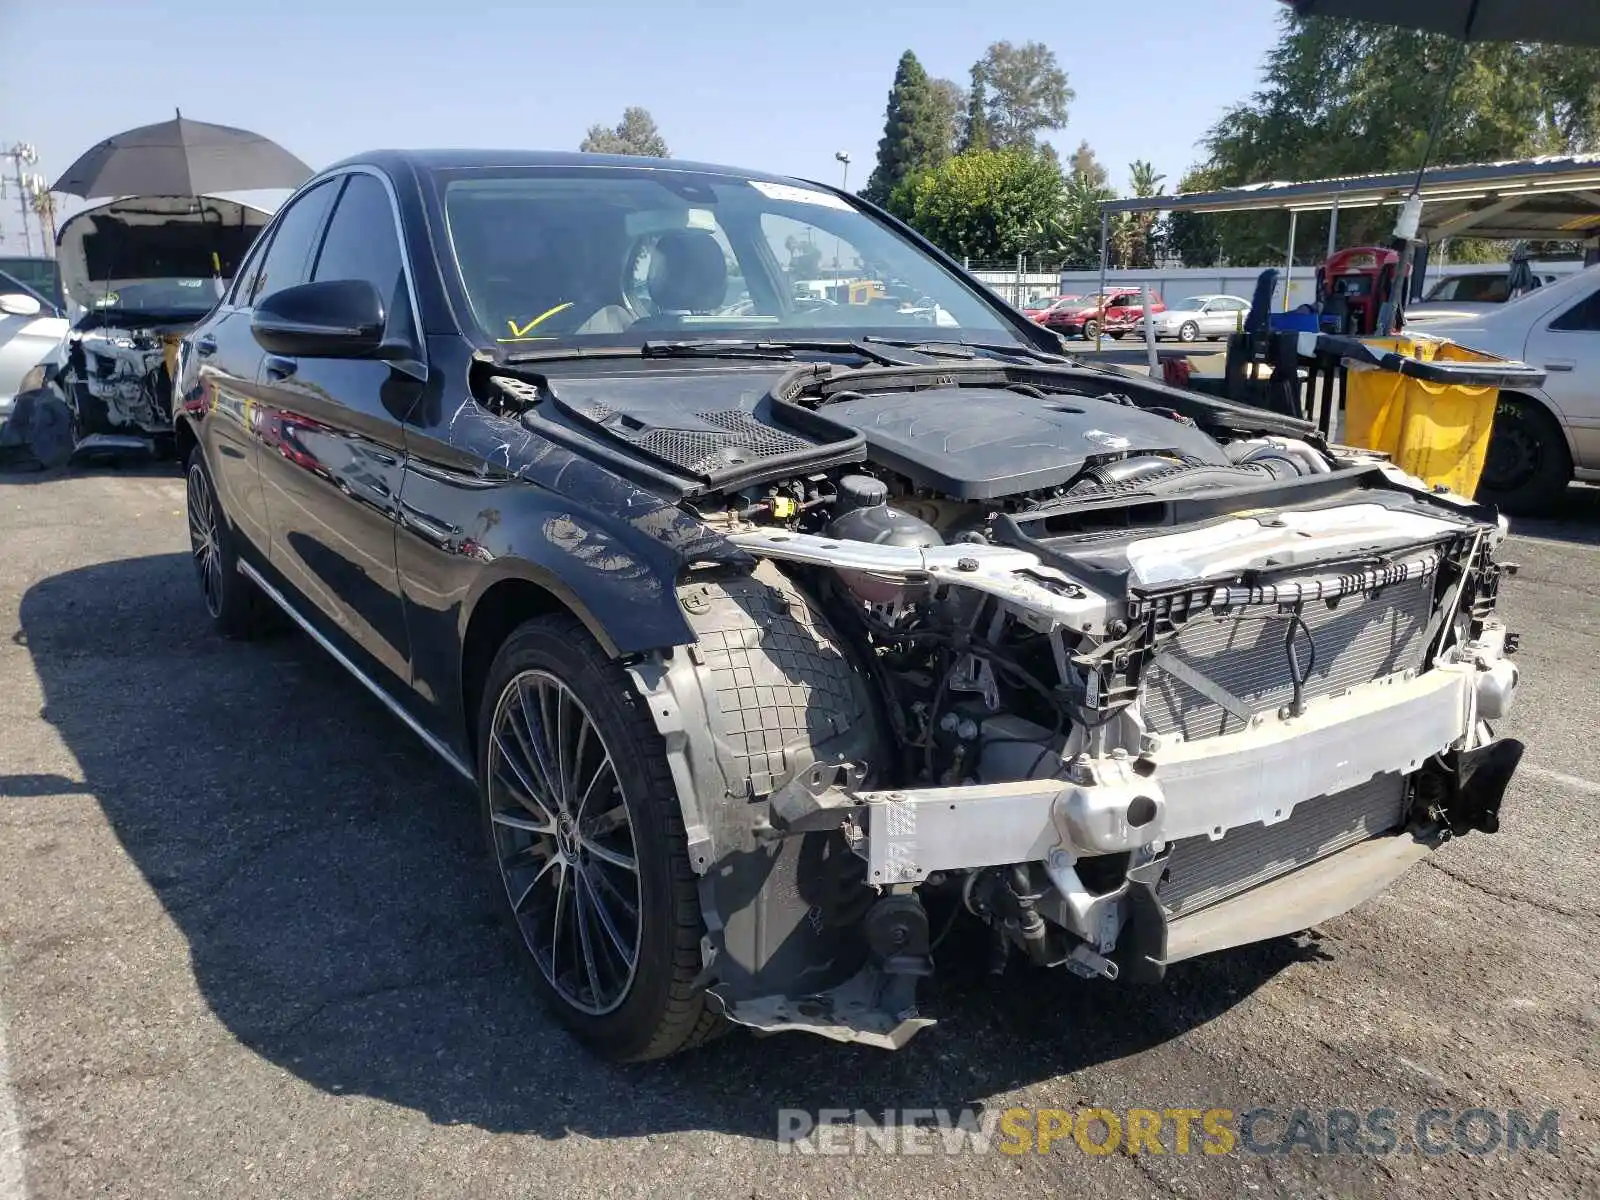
{"x":331,"y":318}
{"x":19,"y":304}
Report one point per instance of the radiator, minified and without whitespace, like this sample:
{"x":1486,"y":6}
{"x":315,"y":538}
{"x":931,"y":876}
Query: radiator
{"x":1363,"y":638}
{"x":1201,"y":872}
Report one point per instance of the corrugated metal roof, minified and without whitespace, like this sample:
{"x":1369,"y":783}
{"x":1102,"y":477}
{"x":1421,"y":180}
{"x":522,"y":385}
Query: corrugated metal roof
{"x":1551,"y":197}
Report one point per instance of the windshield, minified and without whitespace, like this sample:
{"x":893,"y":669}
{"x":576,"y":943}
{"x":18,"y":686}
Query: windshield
{"x":1478,"y":289}
{"x":1188,"y":304}
{"x":555,"y":256}
{"x":164,"y":295}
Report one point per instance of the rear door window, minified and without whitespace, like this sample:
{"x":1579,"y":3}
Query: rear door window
{"x":288,"y":259}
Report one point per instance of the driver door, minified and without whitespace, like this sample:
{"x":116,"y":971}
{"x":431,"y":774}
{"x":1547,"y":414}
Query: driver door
{"x":332,"y":479}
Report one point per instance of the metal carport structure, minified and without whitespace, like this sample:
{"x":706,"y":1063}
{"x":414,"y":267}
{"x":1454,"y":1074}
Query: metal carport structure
{"x":1553,"y":199}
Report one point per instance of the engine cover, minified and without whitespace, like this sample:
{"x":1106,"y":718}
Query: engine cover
{"x":979,"y":443}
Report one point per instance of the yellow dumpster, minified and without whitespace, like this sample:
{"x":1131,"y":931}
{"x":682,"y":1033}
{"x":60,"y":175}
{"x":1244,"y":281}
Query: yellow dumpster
{"x":1427,"y":402}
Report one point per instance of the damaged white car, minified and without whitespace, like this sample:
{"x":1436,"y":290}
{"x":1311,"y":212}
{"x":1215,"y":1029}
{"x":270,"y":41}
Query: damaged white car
{"x":138,"y":273}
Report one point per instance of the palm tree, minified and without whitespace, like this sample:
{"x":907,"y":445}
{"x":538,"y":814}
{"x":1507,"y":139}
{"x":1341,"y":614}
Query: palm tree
{"x":1138,"y":235}
{"x":44,"y":204}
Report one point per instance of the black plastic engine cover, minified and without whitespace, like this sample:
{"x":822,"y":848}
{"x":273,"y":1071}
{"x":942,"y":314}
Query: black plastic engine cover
{"x":977,"y":443}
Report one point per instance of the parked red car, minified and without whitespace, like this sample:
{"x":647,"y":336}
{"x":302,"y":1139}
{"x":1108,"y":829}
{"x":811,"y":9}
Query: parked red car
{"x":1118,"y":309}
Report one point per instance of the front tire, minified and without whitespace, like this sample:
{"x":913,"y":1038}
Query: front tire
{"x":1189,"y":332}
{"x":234,"y":604}
{"x":584,"y":828}
{"x":1528,"y":466}
{"x":1090,"y":330}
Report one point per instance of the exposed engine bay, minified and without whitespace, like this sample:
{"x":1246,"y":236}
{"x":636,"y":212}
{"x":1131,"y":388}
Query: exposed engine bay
{"x":139,"y":272}
{"x":1124,"y":674}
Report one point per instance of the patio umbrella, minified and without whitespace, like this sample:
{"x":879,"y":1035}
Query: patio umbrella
{"x":1564,"y":22}
{"x":181,"y":157}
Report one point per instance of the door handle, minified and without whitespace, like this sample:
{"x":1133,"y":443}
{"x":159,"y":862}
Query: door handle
{"x":278,"y":367}
{"x":205,"y":345}
{"x":1561,"y":364}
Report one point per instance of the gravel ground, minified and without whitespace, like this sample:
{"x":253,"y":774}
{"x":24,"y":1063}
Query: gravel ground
{"x":248,"y":946}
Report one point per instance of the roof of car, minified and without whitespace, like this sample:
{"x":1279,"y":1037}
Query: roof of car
{"x":447,"y":160}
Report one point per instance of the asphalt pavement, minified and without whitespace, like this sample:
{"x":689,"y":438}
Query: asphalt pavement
{"x":249,"y":947}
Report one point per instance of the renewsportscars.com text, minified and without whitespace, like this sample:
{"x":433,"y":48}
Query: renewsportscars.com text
{"x":1203,"y":1131}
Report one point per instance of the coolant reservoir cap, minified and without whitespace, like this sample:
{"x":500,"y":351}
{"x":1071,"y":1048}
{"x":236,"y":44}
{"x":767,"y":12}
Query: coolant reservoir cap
{"x":861,"y":491}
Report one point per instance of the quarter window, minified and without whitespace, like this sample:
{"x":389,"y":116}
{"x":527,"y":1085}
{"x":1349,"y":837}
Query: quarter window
{"x":1583,"y":317}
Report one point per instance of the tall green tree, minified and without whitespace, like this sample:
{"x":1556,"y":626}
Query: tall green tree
{"x":949,"y":100}
{"x":1342,"y":98}
{"x":1075,"y":240}
{"x":975,"y":133}
{"x":1026,"y":93}
{"x":636,"y":133}
{"x":1086,"y":164}
{"x":985,"y":204}
{"x":914,"y":140}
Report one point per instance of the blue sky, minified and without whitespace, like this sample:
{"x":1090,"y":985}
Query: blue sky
{"x":779,"y":87}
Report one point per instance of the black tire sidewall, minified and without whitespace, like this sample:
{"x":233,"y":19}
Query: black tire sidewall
{"x":237,"y":615}
{"x":1552,"y":470}
{"x":1188,"y":332}
{"x":564,"y":649}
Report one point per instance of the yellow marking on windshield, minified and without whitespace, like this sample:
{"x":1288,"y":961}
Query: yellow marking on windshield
{"x":523,"y":332}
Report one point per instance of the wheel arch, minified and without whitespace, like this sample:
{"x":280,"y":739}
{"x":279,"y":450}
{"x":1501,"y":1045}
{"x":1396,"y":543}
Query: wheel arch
{"x":184,"y":438}
{"x":519,"y":594}
{"x":1542,"y":404}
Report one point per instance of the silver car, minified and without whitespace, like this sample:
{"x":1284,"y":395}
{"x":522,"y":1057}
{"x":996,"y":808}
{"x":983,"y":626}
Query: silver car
{"x":30,"y":328}
{"x":1197,"y":317}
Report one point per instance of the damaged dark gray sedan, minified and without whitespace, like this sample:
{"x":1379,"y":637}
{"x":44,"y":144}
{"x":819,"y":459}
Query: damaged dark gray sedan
{"x":778,"y":636}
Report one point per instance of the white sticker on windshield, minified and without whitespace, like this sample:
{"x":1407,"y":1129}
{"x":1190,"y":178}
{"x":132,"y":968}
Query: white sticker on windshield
{"x":798,"y":195}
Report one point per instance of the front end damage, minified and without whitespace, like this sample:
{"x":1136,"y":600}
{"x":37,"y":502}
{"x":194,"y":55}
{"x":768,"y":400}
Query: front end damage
{"x":1117,"y":747}
{"x":140,"y":273}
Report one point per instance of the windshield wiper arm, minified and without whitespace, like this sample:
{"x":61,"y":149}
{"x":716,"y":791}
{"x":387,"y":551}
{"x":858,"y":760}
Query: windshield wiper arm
{"x":697,"y":348}
{"x":716,"y":348}
{"x":779,"y":348}
{"x":969,"y":349}
{"x":776,"y":349}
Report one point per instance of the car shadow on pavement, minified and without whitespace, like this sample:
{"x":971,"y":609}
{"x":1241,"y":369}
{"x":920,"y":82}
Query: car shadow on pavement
{"x":1575,"y":518}
{"x":15,"y":474}
{"x":342,"y":920}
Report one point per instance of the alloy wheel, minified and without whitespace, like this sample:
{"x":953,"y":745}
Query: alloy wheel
{"x":1188,"y":332}
{"x":204,"y":539}
{"x":564,"y":842}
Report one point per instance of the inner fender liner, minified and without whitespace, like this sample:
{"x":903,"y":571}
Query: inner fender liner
{"x":762,"y":694}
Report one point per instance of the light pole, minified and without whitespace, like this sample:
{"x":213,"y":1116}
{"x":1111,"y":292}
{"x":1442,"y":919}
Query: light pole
{"x":23,"y":155}
{"x":844,"y":186}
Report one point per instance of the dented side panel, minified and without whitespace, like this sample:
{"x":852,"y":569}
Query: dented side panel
{"x":485,"y":501}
